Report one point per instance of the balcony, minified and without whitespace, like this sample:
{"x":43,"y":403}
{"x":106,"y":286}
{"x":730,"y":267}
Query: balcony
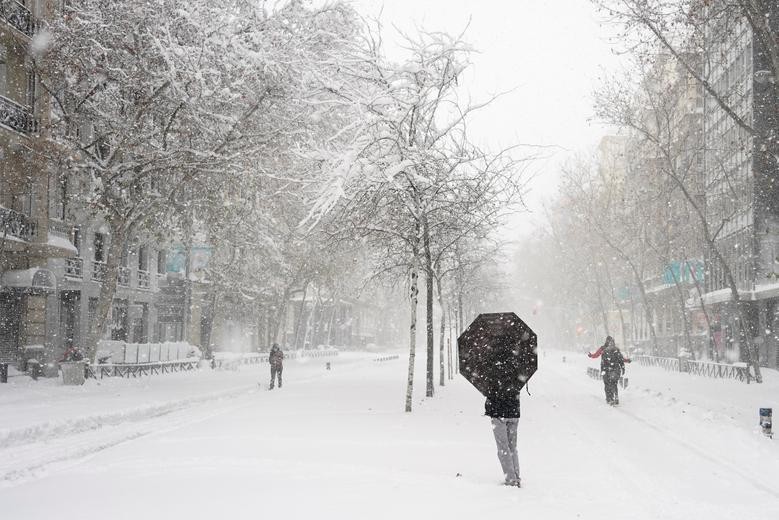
{"x":124,"y":276}
{"x":144,"y":279}
{"x":18,"y":17}
{"x":98,"y":271}
{"x":15,"y":224}
{"x":17,"y":117}
{"x":74,"y":267}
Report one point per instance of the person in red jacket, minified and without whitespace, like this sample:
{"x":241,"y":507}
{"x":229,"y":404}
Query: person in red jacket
{"x":599,"y":352}
{"x":612,"y":367}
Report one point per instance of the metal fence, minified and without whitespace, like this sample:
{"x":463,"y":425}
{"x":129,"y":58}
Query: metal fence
{"x":670,"y":364}
{"x":739,"y":372}
{"x":718,"y":370}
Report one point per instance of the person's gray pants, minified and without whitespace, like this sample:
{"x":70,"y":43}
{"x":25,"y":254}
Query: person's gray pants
{"x":505,"y":431}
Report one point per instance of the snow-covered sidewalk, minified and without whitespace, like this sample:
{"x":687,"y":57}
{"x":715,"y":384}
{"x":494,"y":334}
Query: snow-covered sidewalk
{"x":43,"y":409}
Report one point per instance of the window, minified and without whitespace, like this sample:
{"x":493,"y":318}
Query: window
{"x":77,"y":239}
{"x":3,"y":71}
{"x":143,"y":259}
{"x":62,"y":197}
{"x":161,"y":261}
{"x":31,"y":89}
{"x":99,"y":247}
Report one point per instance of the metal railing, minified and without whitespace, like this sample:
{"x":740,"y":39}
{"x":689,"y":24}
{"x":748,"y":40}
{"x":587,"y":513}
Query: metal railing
{"x":74,"y":267}
{"x":60,"y":228}
{"x":144,"y":279}
{"x":718,"y":370}
{"x":17,"y":117}
{"x":18,"y":16}
{"x":98,"y":271}
{"x":699,"y":368}
{"x":671,"y":364}
{"x":124,"y":276}
{"x":16,"y":224}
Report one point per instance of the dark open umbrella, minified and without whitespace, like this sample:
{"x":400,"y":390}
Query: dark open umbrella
{"x":498,"y":354}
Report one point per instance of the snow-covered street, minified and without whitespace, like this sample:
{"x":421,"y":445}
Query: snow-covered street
{"x":336,"y":444}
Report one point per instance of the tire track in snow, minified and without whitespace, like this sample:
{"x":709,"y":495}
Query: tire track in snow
{"x":702,"y":454}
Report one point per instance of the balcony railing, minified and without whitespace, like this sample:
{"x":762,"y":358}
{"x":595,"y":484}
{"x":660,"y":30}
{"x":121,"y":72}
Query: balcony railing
{"x":74,"y":267}
{"x":17,"y":16}
{"x":17,"y":117}
{"x":124,"y":276}
{"x":144,"y":279}
{"x":15,"y":224}
{"x":98,"y":271}
{"x":61,"y":228}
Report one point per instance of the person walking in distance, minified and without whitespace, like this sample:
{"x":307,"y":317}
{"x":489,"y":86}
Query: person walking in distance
{"x":504,"y":412}
{"x":276,"y":360}
{"x":612,"y":367}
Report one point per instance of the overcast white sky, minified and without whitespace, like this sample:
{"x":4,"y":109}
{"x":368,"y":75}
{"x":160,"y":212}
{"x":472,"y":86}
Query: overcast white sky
{"x":551,"y":52}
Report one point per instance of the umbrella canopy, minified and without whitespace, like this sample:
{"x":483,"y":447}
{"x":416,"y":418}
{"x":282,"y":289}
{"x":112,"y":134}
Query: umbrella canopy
{"x":498,"y":354}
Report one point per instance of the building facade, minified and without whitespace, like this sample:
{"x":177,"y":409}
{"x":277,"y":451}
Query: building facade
{"x":29,"y":237}
{"x":742,"y":190}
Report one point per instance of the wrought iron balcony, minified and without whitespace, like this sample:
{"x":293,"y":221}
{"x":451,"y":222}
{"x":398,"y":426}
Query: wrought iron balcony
{"x":18,"y":16}
{"x":17,"y":117}
{"x":144,"y":279}
{"x":74,"y":267}
{"x":15,"y":224}
{"x":98,"y":271}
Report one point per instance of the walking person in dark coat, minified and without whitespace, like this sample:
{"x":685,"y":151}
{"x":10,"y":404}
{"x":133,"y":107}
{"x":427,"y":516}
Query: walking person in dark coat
{"x":612,"y":367}
{"x":276,"y":360}
{"x":504,"y":412}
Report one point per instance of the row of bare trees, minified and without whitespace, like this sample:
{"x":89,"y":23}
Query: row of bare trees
{"x":285,"y":139}
{"x":412,"y":186}
{"x":684,"y":188}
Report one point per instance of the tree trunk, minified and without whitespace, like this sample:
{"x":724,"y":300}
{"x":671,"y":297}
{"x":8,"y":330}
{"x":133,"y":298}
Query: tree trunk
{"x":683,"y":307}
{"x":281,"y":313}
{"x":413,"y":300}
{"x":615,"y":299}
{"x":428,"y":310}
{"x":105,"y":300}
{"x":604,"y":314}
{"x":442,"y":335}
{"x":706,"y":317}
{"x":301,"y":316}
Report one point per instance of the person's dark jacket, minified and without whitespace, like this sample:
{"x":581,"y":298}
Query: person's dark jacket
{"x":276,"y":358}
{"x":612,"y":362}
{"x":502,"y":407}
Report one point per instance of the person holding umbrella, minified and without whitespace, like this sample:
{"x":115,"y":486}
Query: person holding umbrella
{"x":498,"y":356}
{"x":504,"y":414}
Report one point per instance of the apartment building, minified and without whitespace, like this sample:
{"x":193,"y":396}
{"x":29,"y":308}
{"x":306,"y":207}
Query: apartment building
{"x":742,"y":194}
{"x":29,"y":238}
